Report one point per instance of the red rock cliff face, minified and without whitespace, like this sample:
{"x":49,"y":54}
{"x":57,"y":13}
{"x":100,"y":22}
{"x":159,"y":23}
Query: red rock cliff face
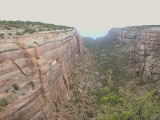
{"x":40,"y":65}
{"x":145,"y":48}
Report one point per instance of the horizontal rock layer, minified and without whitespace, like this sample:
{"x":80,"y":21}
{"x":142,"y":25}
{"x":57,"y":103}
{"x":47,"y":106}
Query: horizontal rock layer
{"x":41,"y":67}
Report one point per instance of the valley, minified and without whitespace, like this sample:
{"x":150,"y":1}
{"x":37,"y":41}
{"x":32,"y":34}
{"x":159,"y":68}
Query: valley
{"x":51,"y":72}
{"x":113,"y":70}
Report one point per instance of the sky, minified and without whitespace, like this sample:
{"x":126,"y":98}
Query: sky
{"x":92,"y":18}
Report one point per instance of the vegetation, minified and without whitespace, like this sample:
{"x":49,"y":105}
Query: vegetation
{"x":1,"y":35}
{"x":6,"y":91}
{"x":3,"y":102}
{"x":127,"y":106}
{"x":141,"y":26}
{"x":15,"y":86}
{"x":90,"y":114}
{"x":20,"y":28}
{"x":10,"y":34}
{"x":32,"y":84}
{"x":130,"y":107}
{"x":28,"y":25}
{"x":115,"y":101}
{"x":19,"y":33}
{"x":29,"y":30}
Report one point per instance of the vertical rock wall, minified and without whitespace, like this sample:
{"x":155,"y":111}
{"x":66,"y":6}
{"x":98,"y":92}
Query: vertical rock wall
{"x":34,"y":75}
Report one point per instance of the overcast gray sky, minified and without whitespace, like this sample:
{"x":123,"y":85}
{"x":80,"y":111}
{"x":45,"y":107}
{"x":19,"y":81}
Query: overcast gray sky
{"x":90,"y":17}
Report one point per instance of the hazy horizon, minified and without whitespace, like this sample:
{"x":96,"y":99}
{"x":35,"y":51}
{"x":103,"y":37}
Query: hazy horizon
{"x":91,"y":18}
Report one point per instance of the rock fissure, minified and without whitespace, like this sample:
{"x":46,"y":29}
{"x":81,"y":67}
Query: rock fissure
{"x":19,"y":68}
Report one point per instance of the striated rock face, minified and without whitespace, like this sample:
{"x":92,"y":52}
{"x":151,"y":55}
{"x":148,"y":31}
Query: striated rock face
{"x":151,"y":68}
{"x":34,"y":74}
{"x":145,"y":39}
{"x":145,"y":48}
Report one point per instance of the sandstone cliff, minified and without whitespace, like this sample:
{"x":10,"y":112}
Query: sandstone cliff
{"x":34,"y":74}
{"x":145,"y":47}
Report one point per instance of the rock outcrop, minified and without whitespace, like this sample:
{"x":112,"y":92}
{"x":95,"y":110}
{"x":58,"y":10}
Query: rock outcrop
{"x":35,"y":74}
{"x":145,"y":48}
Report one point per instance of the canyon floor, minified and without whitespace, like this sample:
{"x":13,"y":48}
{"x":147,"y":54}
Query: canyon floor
{"x":90,"y":74}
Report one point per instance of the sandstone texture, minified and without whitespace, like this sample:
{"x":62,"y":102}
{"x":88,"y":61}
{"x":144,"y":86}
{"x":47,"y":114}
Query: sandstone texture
{"x":35,"y":74}
{"x":145,"y":48}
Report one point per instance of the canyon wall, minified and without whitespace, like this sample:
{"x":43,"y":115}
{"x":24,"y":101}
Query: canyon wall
{"x":145,"y":48}
{"x":35,"y":74}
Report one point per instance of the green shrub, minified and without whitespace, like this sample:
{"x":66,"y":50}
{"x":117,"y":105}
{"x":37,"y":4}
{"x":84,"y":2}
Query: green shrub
{"x":32,"y":84}
{"x":10,"y":34}
{"x":66,"y":106}
{"x":104,"y":100}
{"x":1,"y":35}
{"x":57,"y":110}
{"x":85,"y":107}
{"x":71,"y":86}
{"x":104,"y":91}
{"x":112,"y":98}
{"x":29,"y":30}
{"x":3,"y":102}
{"x":19,"y":33}
{"x":7,"y":27}
{"x":6,"y":91}
{"x":15,"y":86}
{"x":76,"y":93}
{"x":90,"y":114}
{"x":110,"y":71}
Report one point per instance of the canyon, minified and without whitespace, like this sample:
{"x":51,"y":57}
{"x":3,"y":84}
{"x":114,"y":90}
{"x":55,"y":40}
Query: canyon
{"x":59,"y":75}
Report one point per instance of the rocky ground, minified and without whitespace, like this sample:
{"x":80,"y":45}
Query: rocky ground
{"x":84,"y":87}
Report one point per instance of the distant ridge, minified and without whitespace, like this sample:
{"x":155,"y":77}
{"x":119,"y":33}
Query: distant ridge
{"x":87,"y":38}
{"x":101,"y":38}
